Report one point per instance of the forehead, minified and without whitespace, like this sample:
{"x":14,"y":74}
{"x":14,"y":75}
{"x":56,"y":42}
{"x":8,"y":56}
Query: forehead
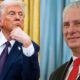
{"x":72,"y":14}
{"x":13,"y":8}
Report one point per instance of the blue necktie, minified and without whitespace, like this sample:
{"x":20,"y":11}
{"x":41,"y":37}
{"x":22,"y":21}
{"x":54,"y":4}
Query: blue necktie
{"x":3,"y":56}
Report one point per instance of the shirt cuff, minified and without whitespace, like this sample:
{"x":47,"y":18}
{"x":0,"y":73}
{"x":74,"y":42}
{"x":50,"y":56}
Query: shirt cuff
{"x":28,"y":51}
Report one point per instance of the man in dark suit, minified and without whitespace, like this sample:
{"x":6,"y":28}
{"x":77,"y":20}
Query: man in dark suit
{"x":71,"y":31}
{"x":21,"y":60}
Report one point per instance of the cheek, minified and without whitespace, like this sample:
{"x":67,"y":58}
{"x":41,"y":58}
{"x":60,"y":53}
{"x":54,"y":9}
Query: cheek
{"x":65,"y":30}
{"x":65,"y":33}
{"x":22,"y":22}
{"x":6,"y":23}
{"x":78,"y":30}
{"x":6,"y":20}
{"x":0,"y":23}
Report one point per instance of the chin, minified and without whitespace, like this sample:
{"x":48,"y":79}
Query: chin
{"x":74,"y":46}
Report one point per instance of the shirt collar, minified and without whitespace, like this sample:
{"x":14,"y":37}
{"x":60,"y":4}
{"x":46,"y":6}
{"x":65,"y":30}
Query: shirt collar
{"x":74,"y":57}
{"x":3,"y":39}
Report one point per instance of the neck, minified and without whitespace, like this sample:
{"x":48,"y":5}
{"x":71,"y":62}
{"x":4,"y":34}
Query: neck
{"x":6,"y":34}
{"x":76,"y":52}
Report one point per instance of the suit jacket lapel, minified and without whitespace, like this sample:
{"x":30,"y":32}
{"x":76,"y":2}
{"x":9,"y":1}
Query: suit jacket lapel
{"x":66,"y":69}
{"x":14,"y":53}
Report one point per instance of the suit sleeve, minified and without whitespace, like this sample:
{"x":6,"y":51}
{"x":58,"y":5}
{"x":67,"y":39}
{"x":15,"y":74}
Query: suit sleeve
{"x":31,"y":70}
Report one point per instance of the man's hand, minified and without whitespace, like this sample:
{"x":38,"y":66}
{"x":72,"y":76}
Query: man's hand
{"x":19,"y":35}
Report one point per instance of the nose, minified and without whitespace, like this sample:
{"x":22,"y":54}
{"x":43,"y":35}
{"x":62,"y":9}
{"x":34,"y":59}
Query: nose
{"x":17,"y":17}
{"x":71,"y":29}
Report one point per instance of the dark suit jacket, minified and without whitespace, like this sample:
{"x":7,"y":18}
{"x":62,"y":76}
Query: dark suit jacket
{"x":60,"y":73}
{"x":20,"y":67}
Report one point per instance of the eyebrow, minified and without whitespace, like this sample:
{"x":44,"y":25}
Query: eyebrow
{"x":71,"y":21}
{"x":14,"y":10}
{"x":76,"y":21}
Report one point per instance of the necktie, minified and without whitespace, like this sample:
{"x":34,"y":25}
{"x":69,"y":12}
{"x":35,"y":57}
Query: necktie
{"x":74,"y":73}
{"x":3,"y":56}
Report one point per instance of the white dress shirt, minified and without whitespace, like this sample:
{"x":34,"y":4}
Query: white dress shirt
{"x":27,"y":51}
{"x":71,"y":67}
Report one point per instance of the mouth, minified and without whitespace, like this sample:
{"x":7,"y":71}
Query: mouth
{"x":73,"y":38}
{"x":17,"y":24}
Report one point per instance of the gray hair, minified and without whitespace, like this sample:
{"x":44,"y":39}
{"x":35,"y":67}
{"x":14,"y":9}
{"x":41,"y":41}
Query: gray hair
{"x":75,"y":4}
{"x":11,"y":2}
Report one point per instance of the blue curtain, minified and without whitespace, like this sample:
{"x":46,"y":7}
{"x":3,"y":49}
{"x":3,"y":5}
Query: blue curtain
{"x":53,"y":49}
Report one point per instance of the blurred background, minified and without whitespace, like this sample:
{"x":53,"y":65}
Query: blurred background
{"x":53,"y":49}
